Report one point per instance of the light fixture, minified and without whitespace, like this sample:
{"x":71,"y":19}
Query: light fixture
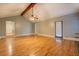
{"x":33,"y":17}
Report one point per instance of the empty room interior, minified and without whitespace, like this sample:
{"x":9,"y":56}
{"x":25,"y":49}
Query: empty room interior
{"x":39,"y":29}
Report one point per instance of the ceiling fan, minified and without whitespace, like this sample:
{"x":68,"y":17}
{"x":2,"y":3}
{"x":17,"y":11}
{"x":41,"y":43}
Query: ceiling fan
{"x":33,"y":18}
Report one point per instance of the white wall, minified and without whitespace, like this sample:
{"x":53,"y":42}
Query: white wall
{"x":70,"y":26}
{"x":23,"y":26}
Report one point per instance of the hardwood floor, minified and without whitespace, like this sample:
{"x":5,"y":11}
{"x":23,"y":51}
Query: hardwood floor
{"x":37,"y":46}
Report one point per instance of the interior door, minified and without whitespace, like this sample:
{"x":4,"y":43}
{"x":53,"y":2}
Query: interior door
{"x":10,"y":28}
{"x":59,"y":29}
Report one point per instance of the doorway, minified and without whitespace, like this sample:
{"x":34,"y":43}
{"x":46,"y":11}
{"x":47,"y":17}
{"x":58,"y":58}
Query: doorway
{"x":10,"y":28}
{"x":59,"y":29}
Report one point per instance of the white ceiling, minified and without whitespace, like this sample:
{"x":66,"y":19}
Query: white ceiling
{"x":47,"y":11}
{"x":43,"y":11}
{"x":11,"y":9}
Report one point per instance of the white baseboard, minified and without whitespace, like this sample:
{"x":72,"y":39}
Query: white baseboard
{"x":65,"y":38}
{"x":18,"y":35}
{"x":52,"y":36}
{"x":24,"y":34}
{"x":70,"y":38}
{"x":2,"y":37}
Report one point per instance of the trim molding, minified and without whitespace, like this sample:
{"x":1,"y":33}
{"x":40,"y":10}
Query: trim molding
{"x":24,"y":34}
{"x":17,"y":35}
{"x":2,"y":37}
{"x":71,"y":38}
{"x":65,"y":38}
{"x":52,"y":36}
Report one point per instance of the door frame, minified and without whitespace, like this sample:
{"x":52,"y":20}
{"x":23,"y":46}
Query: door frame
{"x":14,"y":27}
{"x":61,"y":29}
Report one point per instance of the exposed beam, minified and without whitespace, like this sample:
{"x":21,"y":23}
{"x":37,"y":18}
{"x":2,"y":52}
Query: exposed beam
{"x":28,"y":8}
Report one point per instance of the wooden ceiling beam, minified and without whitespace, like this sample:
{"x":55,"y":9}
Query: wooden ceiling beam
{"x":28,"y":8}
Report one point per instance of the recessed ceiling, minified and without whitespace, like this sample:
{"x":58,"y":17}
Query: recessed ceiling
{"x":46,"y":11}
{"x":12,"y":9}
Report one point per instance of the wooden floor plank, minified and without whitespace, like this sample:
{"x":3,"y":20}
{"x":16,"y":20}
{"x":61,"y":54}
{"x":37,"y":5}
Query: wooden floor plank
{"x":37,"y":46}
